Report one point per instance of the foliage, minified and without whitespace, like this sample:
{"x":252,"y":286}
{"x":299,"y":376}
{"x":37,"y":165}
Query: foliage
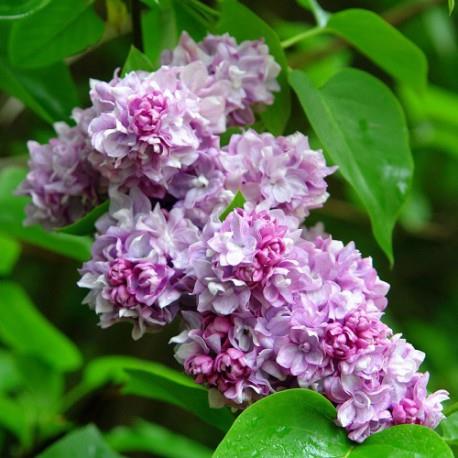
{"x":49,"y":49}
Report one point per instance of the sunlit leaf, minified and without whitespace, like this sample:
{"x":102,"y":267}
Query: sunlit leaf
{"x":59,"y":30}
{"x":362,"y":127}
{"x":301,"y":423}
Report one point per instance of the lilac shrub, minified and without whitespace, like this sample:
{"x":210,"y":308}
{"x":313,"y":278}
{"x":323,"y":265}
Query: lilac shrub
{"x":267,"y":305}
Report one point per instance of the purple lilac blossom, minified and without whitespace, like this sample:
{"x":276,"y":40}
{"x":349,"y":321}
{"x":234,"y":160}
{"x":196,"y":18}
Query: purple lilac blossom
{"x":150,"y":126}
{"x":247,"y":69}
{"x":276,"y":310}
{"x":136,"y":272}
{"x":277,"y":172}
{"x":62,"y":183}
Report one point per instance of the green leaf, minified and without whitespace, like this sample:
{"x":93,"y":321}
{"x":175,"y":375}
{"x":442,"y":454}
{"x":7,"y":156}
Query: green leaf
{"x":243,"y":24}
{"x":154,"y":439}
{"x":12,"y":217}
{"x":451,"y":6}
{"x":49,"y":91}
{"x":172,"y":387}
{"x":86,"y":225}
{"x":24,"y":329}
{"x":136,"y":60}
{"x":449,"y":429}
{"x":383,"y":44}
{"x":159,"y":30}
{"x":237,"y":202}
{"x":10,"y":251}
{"x":13,"y":418}
{"x":301,"y":423}
{"x":86,"y":442}
{"x":59,"y":30}
{"x":10,"y":377}
{"x":362,"y":127}
{"x":15,"y":9}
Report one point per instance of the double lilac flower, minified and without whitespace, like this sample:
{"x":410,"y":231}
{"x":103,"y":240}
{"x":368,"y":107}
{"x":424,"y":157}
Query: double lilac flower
{"x":267,"y":304}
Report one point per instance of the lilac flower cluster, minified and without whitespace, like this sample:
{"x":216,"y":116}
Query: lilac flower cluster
{"x":267,"y":304}
{"x":275,"y":310}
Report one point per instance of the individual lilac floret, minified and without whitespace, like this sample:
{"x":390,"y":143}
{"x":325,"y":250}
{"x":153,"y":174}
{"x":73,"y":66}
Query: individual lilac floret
{"x":149,"y":126}
{"x":248,"y":70}
{"x":277,"y":172}
{"x":212,"y":352}
{"x":137,"y":268}
{"x":62,"y":183}
{"x":235,"y":259}
{"x":200,"y":188}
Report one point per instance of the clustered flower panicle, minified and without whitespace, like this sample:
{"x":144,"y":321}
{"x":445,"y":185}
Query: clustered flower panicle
{"x":267,"y":305}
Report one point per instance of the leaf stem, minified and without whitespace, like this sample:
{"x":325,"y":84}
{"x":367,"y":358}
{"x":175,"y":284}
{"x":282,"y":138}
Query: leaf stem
{"x":302,"y":36}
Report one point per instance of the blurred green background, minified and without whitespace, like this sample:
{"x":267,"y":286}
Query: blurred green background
{"x":424,"y":278}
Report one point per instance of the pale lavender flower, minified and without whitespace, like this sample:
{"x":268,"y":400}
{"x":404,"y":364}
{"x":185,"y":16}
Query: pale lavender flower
{"x":277,"y":172}
{"x":62,"y":183}
{"x":150,"y":126}
{"x":247,"y":70}
{"x":136,"y":272}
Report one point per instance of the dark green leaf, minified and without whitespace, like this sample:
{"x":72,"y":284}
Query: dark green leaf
{"x":237,"y":202}
{"x":49,"y":91}
{"x":59,"y":30}
{"x":156,"y":440}
{"x":12,"y":216}
{"x":13,"y":418}
{"x":159,"y":30}
{"x":86,"y":225}
{"x":24,"y":329}
{"x":188,"y":18}
{"x":136,"y":60}
{"x":383,"y":44}
{"x":362,"y":127}
{"x":301,"y":423}
{"x":14,"y":9}
{"x":86,"y":442}
{"x":243,"y":24}
{"x":10,"y":377}
{"x":163,"y":384}
{"x":449,"y":429}
{"x":10,"y":251}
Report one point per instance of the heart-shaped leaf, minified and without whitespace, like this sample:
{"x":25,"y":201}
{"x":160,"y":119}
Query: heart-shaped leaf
{"x":362,"y":127}
{"x":243,"y":24}
{"x":301,"y":423}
